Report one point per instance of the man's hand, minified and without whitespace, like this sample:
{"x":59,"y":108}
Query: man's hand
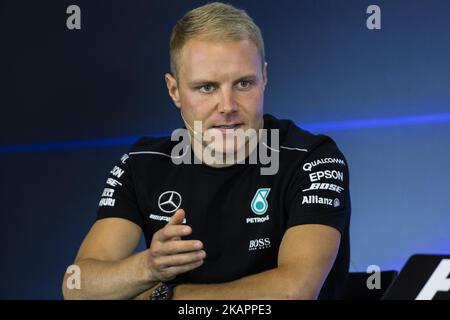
{"x":168,"y":255}
{"x":110,"y":270}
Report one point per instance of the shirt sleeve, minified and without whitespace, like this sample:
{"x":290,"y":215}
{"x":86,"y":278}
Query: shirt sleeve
{"x":319,"y":191}
{"x":118,"y":198}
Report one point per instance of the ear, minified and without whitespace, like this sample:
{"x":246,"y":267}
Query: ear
{"x":265,"y":74}
{"x":172,"y":87}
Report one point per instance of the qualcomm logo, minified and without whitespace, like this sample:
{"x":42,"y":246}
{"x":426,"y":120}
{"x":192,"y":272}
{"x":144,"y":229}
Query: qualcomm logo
{"x":169,"y":201}
{"x":259,"y":203}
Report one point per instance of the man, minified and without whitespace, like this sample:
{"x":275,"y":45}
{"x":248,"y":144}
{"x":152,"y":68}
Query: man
{"x":233,"y":232}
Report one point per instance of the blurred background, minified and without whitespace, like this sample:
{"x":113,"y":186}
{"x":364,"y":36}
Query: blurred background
{"x":73,"y":101}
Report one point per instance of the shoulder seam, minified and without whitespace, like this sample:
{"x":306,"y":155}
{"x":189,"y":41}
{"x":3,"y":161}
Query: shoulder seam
{"x":158,"y":153}
{"x":284,"y":147}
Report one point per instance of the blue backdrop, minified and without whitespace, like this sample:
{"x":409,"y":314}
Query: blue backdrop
{"x":72,"y":101}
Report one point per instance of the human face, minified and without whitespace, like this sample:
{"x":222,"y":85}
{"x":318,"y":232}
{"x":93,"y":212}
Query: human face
{"x":221,"y":84}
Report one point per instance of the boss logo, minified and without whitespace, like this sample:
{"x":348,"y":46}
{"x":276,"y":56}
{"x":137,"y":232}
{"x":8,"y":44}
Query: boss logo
{"x":259,"y":244}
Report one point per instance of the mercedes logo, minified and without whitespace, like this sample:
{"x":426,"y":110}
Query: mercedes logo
{"x":169,"y":201}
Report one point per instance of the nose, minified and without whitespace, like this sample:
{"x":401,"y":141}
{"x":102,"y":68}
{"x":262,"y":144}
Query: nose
{"x":227,"y":103}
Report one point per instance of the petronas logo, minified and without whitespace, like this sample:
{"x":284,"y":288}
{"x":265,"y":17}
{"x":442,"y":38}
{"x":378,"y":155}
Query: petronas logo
{"x":259,"y":203}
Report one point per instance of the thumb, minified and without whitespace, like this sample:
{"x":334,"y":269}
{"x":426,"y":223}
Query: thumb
{"x":177,"y":217}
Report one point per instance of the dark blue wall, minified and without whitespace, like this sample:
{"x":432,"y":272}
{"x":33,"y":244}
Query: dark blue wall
{"x":384,"y":95}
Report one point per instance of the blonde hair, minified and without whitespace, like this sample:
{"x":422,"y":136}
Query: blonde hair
{"x":213,"y":22}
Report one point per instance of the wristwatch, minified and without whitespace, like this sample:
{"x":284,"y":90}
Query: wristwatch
{"x":163,"y":292}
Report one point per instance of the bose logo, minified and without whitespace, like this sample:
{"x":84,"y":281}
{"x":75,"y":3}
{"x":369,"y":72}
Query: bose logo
{"x":324,"y":186}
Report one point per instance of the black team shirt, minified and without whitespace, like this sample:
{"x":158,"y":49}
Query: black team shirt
{"x":238,"y":214}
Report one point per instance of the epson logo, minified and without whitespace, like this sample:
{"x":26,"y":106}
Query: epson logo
{"x":259,"y":244}
{"x":118,"y":172}
{"x":327,"y":174}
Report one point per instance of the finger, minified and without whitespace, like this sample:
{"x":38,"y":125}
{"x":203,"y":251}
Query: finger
{"x":175,"y":247}
{"x":171,"y":231}
{"x":173,"y":271}
{"x":177,"y":217}
{"x":164,"y":262}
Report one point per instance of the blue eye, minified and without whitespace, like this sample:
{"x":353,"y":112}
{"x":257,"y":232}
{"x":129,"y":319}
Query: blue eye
{"x":244,"y":84}
{"x":207,"y":88}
